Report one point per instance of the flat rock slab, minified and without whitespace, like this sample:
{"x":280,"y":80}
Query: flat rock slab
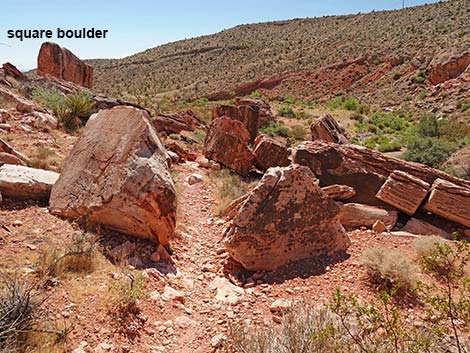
{"x":356,"y":215}
{"x":419,"y":227}
{"x":449,"y":201}
{"x":403,"y":191}
{"x":23,"y":183}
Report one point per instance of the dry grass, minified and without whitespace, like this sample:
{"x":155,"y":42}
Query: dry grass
{"x":390,"y":268}
{"x":45,"y":158}
{"x":230,"y":186}
{"x":424,"y":246}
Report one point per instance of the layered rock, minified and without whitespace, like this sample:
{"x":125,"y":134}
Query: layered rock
{"x":417,"y":226}
{"x":404,"y":192}
{"x":449,"y":201}
{"x":12,"y":71}
{"x":265,"y":114}
{"x":61,"y":63}
{"x":339,"y":192}
{"x":117,"y":175}
{"x":285,"y":218}
{"x":270,"y":153}
{"x":226,"y":142}
{"x":448,"y":70}
{"x":6,"y":158}
{"x":23,"y":183}
{"x":177,"y":122}
{"x":361,"y":168}
{"x":353,"y":215}
{"x":248,"y":115}
{"x":327,"y":129}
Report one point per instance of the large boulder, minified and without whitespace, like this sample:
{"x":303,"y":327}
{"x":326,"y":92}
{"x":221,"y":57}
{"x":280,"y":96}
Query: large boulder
{"x":61,"y":63}
{"x":226,"y":142}
{"x":265,"y":114}
{"x":247,"y":114}
{"x":117,"y":175}
{"x":448,"y":70}
{"x":326,"y":128}
{"x":270,"y":153}
{"x":361,"y":168}
{"x":177,"y":122}
{"x":23,"y":183}
{"x":285,"y":218}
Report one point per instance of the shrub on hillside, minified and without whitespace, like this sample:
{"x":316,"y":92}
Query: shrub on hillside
{"x":287,"y":112}
{"x":275,"y":129}
{"x":428,"y":150}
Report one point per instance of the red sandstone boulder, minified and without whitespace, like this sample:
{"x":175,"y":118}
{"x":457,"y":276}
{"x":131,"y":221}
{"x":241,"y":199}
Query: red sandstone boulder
{"x":285,"y":218}
{"x":60,"y":62}
{"x":227,"y":143}
{"x":270,"y":153}
{"x":248,"y":115}
{"x":117,"y":175}
{"x":327,"y":129}
{"x":450,"y":69}
{"x":11,"y":70}
{"x":177,"y":122}
{"x":265,"y":114}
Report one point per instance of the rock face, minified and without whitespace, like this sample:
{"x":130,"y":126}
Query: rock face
{"x":270,"y":153}
{"x":117,"y":175}
{"x":327,"y":129}
{"x":24,"y":183}
{"x":285,"y":218}
{"x":11,"y":70}
{"x":339,"y":192}
{"x":265,"y":114}
{"x":227,"y":143}
{"x":449,"y":201}
{"x":61,"y":63}
{"x":361,"y":168}
{"x":354,"y":215}
{"x":248,"y":115}
{"x":451,"y":69}
{"x":177,"y":122}
{"x":404,"y":192}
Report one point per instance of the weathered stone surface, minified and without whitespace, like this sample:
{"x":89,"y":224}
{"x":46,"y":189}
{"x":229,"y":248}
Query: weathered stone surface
{"x":227,"y":143}
{"x":339,"y":192}
{"x":270,"y":153}
{"x":24,"y":183}
{"x":11,"y":70}
{"x":5,"y":147}
{"x":419,"y":227}
{"x":177,"y":122}
{"x":448,"y":70}
{"x":6,"y":158}
{"x":353,"y":215}
{"x":403,"y":191}
{"x":180,"y":151}
{"x":265,"y":114}
{"x":60,"y":62}
{"x":39,"y":120}
{"x":285,"y":218}
{"x":326,"y":128}
{"x":117,"y":175}
{"x":248,"y":115}
{"x":361,"y":168}
{"x":449,"y":201}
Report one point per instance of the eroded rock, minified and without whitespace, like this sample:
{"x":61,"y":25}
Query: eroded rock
{"x":326,"y":128}
{"x":270,"y":153}
{"x":353,"y":215}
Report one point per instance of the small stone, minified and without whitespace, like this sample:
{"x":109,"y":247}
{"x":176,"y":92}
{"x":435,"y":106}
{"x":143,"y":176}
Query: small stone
{"x":195,"y":178}
{"x":217,"y":341}
{"x":170,"y":293}
{"x":280,"y":305}
{"x":17,"y":223}
{"x":155,"y":257}
{"x":379,"y":227}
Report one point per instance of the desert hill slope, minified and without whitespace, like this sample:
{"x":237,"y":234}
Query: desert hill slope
{"x":390,"y":45}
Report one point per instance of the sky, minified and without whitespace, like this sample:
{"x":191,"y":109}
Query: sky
{"x":136,"y":25}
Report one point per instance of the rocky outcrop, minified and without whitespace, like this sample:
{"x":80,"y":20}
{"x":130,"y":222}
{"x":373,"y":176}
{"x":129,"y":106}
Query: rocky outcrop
{"x":248,"y":115}
{"x":353,"y":215}
{"x":5,"y":147}
{"x":11,"y":70}
{"x":60,"y":62}
{"x":226,"y":142}
{"x":177,"y":122}
{"x":24,"y":183}
{"x":327,"y":129}
{"x":117,"y":175}
{"x":265,"y":114}
{"x":285,"y":218}
{"x":339,"y":192}
{"x":449,"y":201}
{"x":404,"y":192}
{"x":270,"y":153}
{"x":448,"y":70}
{"x":361,"y":168}
{"x":180,"y":151}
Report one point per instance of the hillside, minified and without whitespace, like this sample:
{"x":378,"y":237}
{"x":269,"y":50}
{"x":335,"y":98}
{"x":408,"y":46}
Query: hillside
{"x":381,"y":50}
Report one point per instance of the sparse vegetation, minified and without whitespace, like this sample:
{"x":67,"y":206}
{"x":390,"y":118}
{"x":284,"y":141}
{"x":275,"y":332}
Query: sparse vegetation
{"x":229,"y":187}
{"x":276,"y":129}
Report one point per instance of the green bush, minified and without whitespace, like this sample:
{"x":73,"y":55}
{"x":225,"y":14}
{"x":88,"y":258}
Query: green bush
{"x":428,"y":150}
{"x":389,"y":146}
{"x":287,"y":112}
{"x":350,"y":104}
{"x":298,"y":132}
{"x":276,"y":129}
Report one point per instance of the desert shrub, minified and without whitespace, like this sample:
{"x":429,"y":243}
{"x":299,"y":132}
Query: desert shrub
{"x":371,"y":141}
{"x":422,"y":95}
{"x":275,"y":129}
{"x":335,"y":103}
{"x":424,"y":246}
{"x":287,"y":112}
{"x":390,"y":268}
{"x":201,"y":102}
{"x":298,"y":132}
{"x":419,"y":78}
{"x":44,"y":158}
{"x":427,"y":150}
{"x":229,"y":187}
{"x":79,"y":255}
{"x":389,"y":146}
{"x":127,"y":291}
{"x":350,"y":104}
{"x":50,"y":98}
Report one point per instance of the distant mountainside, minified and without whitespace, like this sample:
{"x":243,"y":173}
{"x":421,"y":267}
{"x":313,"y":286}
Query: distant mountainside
{"x":379,"y":55}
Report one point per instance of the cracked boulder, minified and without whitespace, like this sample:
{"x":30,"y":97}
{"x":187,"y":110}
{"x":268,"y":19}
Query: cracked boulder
{"x":287,"y":217}
{"x":117,"y":175}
